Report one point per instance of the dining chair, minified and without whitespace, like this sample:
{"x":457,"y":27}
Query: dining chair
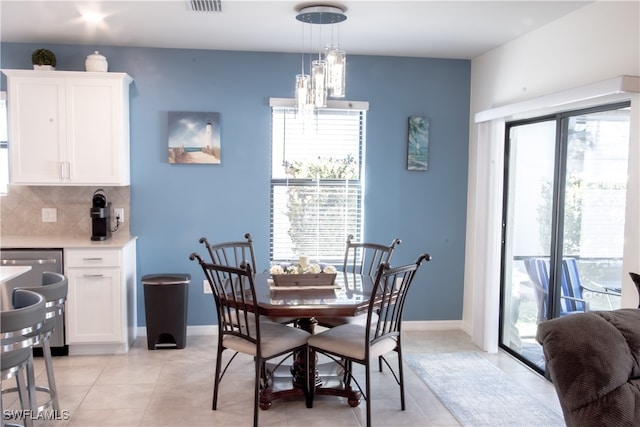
{"x":232,"y":253}
{"x":242,"y":329}
{"x":380,"y":335}
{"x":54,"y":290}
{"x":365,"y":257}
{"x":360,"y":258}
{"x":19,"y":331}
{"x":636,"y":279}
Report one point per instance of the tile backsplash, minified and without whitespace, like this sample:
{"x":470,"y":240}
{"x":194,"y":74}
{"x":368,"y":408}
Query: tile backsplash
{"x":21,"y":209}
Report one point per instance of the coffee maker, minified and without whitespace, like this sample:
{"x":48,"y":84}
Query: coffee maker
{"x":100,"y":216}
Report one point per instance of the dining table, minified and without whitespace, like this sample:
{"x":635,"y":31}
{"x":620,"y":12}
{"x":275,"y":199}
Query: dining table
{"x":348,"y":296}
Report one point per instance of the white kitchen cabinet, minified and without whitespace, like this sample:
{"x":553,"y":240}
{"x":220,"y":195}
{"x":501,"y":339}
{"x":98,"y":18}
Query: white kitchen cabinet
{"x":68,"y":127}
{"x":101,"y":302}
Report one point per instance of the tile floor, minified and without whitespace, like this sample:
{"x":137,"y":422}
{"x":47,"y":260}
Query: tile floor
{"x":174,"y":388}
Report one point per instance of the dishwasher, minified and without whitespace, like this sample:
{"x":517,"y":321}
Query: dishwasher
{"x":40,"y":260}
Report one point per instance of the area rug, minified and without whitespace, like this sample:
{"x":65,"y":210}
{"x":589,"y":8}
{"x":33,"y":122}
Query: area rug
{"x":478,"y":393}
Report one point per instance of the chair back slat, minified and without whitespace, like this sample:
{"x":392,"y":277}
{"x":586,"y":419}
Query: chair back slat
{"x":232,"y":253}
{"x":389,"y":295}
{"x":364,"y":258}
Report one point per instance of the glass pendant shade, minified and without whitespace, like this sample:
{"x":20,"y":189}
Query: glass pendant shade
{"x":303,"y":91}
{"x":336,"y":67}
{"x":327,"y":76}
{"x":319,"y":83}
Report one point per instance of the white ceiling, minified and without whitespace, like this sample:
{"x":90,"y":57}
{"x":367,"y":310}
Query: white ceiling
{"x":439,"y":29}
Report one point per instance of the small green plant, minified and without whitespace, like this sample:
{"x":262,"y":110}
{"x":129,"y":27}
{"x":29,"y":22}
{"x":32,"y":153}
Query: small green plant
{"x":43,"y":57}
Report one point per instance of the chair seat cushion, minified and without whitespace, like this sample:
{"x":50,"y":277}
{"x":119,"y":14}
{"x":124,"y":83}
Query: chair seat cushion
{"x":349,"y":341}
{"x":276,"y":339}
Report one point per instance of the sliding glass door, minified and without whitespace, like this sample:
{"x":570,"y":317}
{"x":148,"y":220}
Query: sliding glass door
{"x":563,"y":221}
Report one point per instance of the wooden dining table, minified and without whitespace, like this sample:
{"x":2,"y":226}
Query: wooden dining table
{"x":349,"y":297}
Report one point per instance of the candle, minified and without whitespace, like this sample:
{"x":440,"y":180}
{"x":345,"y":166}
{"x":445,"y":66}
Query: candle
{"x":304,"y":261}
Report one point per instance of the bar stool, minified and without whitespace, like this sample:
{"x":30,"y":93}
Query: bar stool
{"x":54,"y":290}
{"x":19,"y":330}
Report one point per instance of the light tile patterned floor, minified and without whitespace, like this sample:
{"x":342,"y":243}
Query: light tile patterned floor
{"x":174,"y":388}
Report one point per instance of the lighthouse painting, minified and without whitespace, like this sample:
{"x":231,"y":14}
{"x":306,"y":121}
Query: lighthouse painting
{"x":194,"y":137}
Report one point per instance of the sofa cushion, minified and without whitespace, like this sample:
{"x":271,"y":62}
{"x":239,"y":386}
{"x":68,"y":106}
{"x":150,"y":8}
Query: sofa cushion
{"x":594,"y":362}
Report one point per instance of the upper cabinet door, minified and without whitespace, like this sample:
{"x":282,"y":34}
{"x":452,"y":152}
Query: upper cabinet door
{"x":37,"y":121}
{"x":96,"y":132}
{"x":68,"y":128}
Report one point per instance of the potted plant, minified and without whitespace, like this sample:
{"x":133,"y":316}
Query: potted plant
{"x":43,"y":59}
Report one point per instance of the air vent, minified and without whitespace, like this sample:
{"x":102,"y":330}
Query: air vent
{"x":205,"y":5}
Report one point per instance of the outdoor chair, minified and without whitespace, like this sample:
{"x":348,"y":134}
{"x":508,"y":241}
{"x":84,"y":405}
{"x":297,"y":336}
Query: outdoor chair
{"x":538,"y":270}
{"x":379,"y":335}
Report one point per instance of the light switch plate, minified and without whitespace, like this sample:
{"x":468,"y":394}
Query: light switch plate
{"x":205,"y":287}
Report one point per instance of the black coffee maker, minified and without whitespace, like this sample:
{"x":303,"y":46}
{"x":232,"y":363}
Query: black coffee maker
{"x":100,"y":216}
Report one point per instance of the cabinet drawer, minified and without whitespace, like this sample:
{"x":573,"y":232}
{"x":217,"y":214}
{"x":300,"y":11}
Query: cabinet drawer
{"x":92,"y":258}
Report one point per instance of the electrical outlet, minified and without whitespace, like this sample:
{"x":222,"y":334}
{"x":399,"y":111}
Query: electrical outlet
{"x":205,"y":287}
{"x":49,"y":215}
{"x":118,"y":213}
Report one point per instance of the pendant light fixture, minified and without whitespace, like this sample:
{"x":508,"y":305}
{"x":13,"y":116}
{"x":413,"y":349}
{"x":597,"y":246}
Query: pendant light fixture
{"x":327,"y":73}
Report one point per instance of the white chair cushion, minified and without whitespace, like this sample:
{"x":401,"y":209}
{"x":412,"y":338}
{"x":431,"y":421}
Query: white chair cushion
{"x":349,"y":341}
{"x":276,"y":339}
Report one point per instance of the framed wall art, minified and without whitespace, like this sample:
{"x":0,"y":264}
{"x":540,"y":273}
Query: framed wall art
{"x":418,"y":144}
{"x":194,"y":137}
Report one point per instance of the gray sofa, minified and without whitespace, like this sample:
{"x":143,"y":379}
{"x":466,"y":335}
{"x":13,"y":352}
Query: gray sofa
{"x":594,"y":362}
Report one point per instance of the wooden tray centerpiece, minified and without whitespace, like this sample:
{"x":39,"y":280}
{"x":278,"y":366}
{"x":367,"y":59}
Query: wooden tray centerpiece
{"x":303,"y":276}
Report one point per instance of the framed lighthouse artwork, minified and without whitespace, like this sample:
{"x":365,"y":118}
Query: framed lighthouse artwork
{"x":194,"y":137}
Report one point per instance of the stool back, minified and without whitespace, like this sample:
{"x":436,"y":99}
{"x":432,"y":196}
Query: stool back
{"x":20,"y":327}
{"x":54,"y":289}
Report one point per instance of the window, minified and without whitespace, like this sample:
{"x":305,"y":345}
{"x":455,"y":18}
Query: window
{"x":317,"y":182}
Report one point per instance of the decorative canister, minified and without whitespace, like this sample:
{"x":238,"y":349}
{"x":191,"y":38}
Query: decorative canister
{"x":96,"y":62}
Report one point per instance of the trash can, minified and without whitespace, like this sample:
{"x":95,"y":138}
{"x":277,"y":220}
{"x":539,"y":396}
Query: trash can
{"x":165,"y":306}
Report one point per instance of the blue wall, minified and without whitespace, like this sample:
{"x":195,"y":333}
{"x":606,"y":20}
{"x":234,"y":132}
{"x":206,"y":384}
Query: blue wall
{"x":172,"y":205}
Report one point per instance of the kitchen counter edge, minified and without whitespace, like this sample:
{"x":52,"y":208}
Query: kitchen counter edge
{"x":66,"y":242}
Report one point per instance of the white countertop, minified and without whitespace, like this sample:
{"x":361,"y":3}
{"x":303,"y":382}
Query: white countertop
{"x":8,"y":272}
{"x":42,"y":242}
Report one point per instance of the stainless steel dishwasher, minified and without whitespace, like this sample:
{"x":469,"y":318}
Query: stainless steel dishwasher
{"x":40,"y":260}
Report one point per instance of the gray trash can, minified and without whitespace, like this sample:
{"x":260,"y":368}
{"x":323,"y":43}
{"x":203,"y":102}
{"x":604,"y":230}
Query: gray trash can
{"x":165,"y":306}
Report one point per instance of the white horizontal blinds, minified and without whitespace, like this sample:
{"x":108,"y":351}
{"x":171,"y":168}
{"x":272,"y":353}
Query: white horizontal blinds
{"x":316,"y":183}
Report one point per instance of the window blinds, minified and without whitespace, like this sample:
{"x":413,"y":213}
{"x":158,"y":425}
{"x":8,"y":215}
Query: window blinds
{"x":317,"y":182}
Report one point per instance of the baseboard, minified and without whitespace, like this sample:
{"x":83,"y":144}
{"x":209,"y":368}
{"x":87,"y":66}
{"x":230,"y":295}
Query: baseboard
{"x":431,"y":325}
{"x":420,"y":325}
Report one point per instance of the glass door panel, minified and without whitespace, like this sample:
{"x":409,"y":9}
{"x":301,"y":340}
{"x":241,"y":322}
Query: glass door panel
{"x":594,"y":206}
{"x":531,"y":157}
